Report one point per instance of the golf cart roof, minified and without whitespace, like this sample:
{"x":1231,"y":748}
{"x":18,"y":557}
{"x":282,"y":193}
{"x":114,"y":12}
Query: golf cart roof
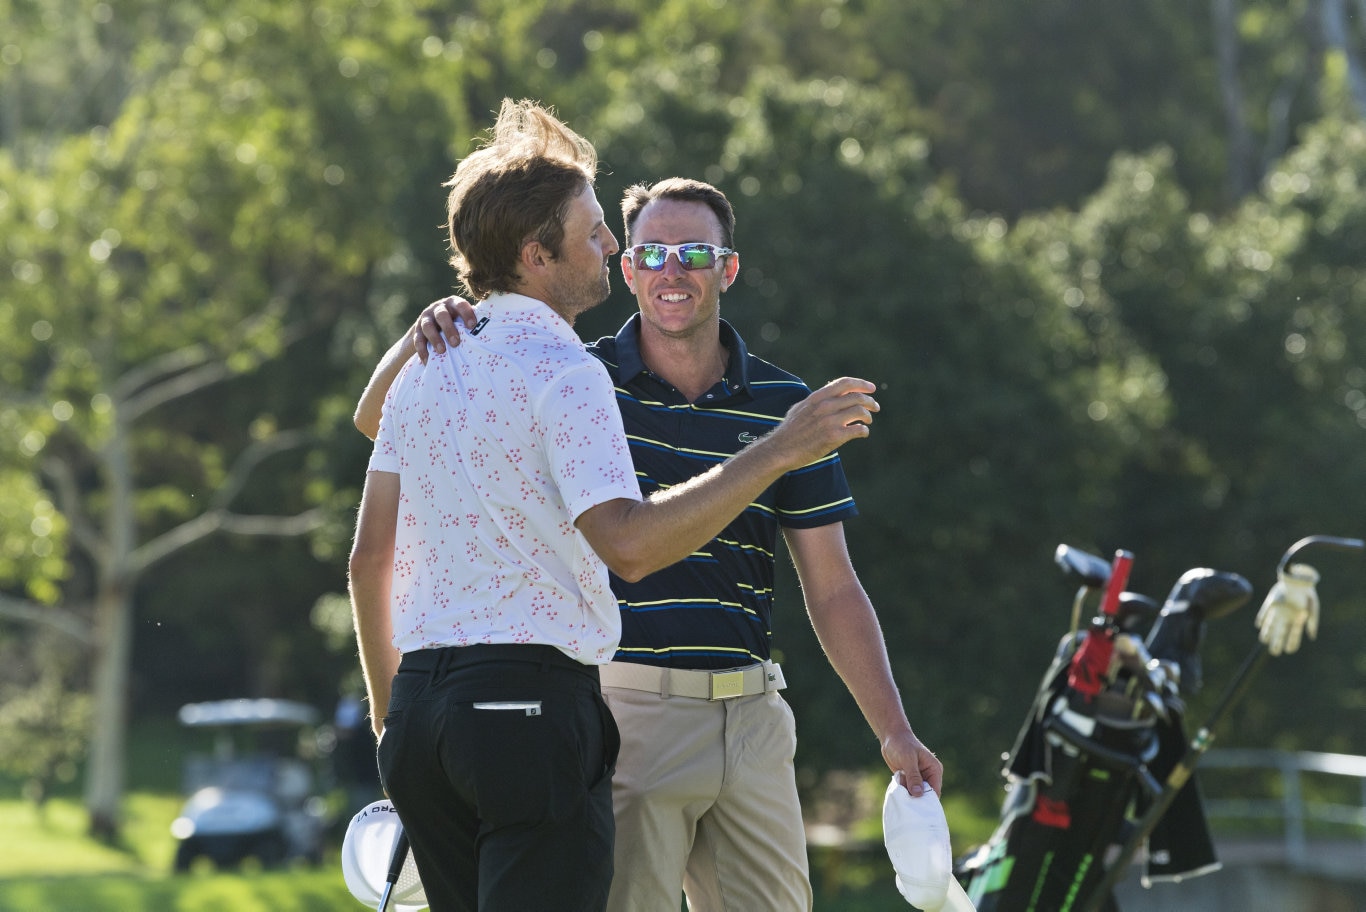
{"x":248,"y":712}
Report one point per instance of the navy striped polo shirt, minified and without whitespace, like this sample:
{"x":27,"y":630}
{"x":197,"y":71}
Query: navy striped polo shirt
{"x":712,"y":609}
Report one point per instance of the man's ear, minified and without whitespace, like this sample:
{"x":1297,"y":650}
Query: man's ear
{"x":628,"y":272}
{"x":534,"y":256}
{"x":730,"y":270}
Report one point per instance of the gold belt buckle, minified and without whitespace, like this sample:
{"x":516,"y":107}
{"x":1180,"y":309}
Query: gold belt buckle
{"x":727,"y":684}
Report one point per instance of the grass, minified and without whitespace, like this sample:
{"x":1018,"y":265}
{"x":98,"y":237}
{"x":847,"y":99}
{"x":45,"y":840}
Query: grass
{"x":52,"y":842}
{"x":311,"y":891}
{"x":48,"y":863}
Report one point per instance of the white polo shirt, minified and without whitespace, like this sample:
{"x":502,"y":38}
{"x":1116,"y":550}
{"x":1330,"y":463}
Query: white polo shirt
{"x":500,"y":444}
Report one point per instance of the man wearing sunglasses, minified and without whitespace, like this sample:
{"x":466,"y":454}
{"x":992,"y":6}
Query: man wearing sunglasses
{"x":705,"y":795}
{"x":499,"y":493}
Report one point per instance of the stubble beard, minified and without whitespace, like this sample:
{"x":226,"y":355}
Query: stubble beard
{"x":574,"y":298}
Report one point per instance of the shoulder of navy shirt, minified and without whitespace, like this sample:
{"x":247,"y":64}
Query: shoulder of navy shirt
{"x":713,"y":609}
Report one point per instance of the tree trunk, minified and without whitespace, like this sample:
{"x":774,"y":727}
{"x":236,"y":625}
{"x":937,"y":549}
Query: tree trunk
{"x":1240,"y":179}
{"x":109,"y":720}
{"x":113,"y":644}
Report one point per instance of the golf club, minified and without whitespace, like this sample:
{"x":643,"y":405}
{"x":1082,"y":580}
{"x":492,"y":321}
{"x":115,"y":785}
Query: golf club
{"x":1203,"y":738}
{"x":396,"y":860}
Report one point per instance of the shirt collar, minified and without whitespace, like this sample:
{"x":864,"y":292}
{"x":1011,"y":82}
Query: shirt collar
{"x":629,"y":362}
{"x":510,"y":307}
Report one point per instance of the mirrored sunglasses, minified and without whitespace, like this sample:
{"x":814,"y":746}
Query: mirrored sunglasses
{"x":690,"y":256}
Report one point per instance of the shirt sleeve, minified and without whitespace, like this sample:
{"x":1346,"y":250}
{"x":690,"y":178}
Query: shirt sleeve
{"x":818,"y":493}
{"x":384,"y":457}
{"x":585,"y":442}
{"x":815,"y":495}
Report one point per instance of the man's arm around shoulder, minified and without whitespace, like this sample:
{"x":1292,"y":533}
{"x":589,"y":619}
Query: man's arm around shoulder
{"x":371,"y":576}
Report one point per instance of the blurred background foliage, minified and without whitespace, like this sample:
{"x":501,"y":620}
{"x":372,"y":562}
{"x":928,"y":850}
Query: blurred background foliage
{"x":1103,"y":262}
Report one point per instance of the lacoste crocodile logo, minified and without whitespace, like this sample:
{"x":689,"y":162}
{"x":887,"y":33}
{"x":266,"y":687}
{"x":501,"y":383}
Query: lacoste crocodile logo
{"x":747,"y":437}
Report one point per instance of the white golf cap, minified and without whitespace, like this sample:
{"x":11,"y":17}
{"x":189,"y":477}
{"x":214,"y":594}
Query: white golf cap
{"x":917,"y":838}
{"x":367,"y":849}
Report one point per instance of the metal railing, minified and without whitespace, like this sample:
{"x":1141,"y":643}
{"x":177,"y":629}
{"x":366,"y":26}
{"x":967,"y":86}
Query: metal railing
{"x":1291,"y":806}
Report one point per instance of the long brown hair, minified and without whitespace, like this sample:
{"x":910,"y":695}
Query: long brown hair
{"x":516,"y":188}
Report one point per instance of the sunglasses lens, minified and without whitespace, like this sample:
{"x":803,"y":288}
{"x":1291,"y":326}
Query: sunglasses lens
{"x":697,"y":256}
{"x":690,"y":256}
{"x":651,"y":256}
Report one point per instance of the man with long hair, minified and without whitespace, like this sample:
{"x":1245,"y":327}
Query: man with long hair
{"x":499,"y":494}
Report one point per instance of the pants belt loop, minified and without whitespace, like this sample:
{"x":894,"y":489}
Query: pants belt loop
{"x":443,"y":658}
{"x":665,"y":683}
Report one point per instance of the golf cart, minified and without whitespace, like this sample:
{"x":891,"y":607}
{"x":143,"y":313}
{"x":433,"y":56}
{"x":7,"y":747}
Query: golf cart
{"x":252,"y":797}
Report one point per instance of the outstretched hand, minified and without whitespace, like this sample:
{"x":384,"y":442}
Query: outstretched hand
{"x":437,"y":325}
{"x":836,"y":413}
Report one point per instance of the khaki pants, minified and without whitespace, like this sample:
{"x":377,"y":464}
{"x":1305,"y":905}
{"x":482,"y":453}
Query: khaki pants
{"x":705,"y":801}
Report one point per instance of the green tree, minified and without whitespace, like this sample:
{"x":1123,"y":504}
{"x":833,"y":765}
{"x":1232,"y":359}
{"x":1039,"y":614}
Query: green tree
{"x":1252,"y":321}
{"x":1295,"y":370}
{"x":222,"y":218}
{"x":44,"y":725}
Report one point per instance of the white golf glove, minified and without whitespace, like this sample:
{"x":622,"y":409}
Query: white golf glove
{"x":1291,"y":607}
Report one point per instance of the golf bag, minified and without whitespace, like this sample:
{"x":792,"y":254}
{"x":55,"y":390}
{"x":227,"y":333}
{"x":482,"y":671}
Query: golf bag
{"x":1103,"y":733}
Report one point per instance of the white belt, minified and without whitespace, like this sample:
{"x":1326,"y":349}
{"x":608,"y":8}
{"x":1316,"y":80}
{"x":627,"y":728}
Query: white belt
{"x":687,"y":682}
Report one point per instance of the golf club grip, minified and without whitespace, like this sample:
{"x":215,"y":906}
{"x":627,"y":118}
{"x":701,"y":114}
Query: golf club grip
{"x":1119,"y":578}
{"x":399,"y":857}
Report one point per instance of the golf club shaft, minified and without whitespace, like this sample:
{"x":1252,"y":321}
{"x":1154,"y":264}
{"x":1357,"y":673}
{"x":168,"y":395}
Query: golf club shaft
{"x":395,"y":868}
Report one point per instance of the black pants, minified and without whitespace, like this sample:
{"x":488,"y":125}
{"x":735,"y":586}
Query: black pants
{"x":499,"y":762}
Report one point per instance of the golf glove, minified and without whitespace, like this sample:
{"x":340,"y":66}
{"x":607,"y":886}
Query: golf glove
{"x":1291,"y":608}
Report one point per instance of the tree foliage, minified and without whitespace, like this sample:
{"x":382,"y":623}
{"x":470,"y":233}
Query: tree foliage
{"x":45,"y":723}
{"x":221,"y":218}
{"x":1101,"y":262}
